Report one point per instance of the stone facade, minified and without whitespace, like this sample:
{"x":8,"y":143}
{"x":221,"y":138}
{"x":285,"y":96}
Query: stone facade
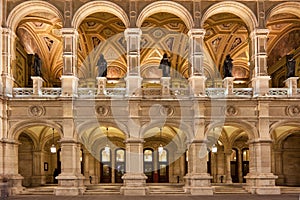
{"x":111,"y":129}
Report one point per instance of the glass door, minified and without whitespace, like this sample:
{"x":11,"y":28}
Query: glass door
{"x":245,"y":163}
{"x":120,"y":165}
{"x":105,"y":166}
{"x":148,"y":165}
{"x":163,"y":167}
{"x":234,"y":166}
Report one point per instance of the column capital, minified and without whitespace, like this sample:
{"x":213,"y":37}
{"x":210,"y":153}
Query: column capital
{"x":134,"y":140}
{"x":259,"y":32}
{"x":132,"y":32}
{"x":194,"y":32}
{"x":69,"y":31}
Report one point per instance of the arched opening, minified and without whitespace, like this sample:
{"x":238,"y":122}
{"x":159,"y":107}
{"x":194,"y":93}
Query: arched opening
{"x":283,"y":41}
{"x":227,"y":34}
{"x":37,"y":162}
{"x":164,"y":33}
{"x":104,"y":154}
{"x":38,"y":48}
{"x":101,"y":33}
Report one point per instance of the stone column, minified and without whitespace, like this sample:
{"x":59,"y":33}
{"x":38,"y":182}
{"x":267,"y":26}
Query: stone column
{"x":240,"y":166}
{"x":278,"y":165}
{"x":196,"y":55}
{"x":70,"y":181}
{"x":260,"y":78}
{"x":69,"y":80}
{"x":86,"y":167}
{"x":133,"y":78}
{"x":165,"y":86}
{"x":101,"y":85}
{"x":37,"y":83}
{"x":10,"y":168}
{"x":6,"y":84}
{"x":198,"y":181}
{"x":291,"y":84}
{"x":227,"y":155}
{"x":134,"y":178}
{"x":260,"y":180}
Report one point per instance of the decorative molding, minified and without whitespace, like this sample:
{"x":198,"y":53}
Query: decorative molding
{"x":166,"y":110}
{"x":36,"y":111}
{"x":230,"y":110}
{"x":102,"y":110}
{"x":293,"y":110}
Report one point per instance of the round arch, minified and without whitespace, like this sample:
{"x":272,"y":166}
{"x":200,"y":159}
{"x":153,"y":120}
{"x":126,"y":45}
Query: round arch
{"x":235,"y":8}
{"x":286,"y":7}
{"x":287,"y":133}
{"x":92,"y":123}
{"x":180,"y":126}
{"x":249,"y":129}
{"x":99,"y":6}
{"x":23,"y":9}
{"x":16,"y":129}
{"x":169,"y":7}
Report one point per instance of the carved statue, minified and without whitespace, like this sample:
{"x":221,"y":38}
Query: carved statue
{"x":102,"y":66}
{"x":165,"y":65}
{"x":37,"y":64}
{"x":227,"y":67}
{"x":290,"y":64}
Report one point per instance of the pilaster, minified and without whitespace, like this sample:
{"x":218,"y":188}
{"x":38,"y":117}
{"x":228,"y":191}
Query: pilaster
{"x":196,"y":53}
{"x":69,"y":36}
{"x":134,"y":178}
{"x":133,"y":79}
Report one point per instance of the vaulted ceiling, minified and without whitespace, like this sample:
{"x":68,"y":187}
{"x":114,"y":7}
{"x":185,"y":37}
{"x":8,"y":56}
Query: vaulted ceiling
{"x":162,"y":32}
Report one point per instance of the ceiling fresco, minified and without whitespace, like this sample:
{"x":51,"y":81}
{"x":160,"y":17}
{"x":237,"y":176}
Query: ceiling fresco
{"x":162,"y":32}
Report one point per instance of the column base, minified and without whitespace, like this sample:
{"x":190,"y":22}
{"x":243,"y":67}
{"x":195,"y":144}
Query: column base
{"x":291,"y":84}
{"x":198,"y":184}
{"x":69,"y":86}
{"x":101,"y":81}
{"x":15,"y":184}
{"x":134,"y":185}
{"x":260,"y":85}
{"x":69,"y":185}
{"x":133,"y":86}
{"x":228,"y":85}
{"x":37,"y":83}
{"x":263,"y":184}
{"x":165,"y":86}
{"x":197,"y":85}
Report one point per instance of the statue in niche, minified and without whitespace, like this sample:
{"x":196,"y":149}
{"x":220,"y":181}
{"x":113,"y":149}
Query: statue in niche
{"x":227,"y":67}
{"x":290,"y":64}
{"x":165,"y":65}
{"x":102,"y":66}
{"x":37,"y":64}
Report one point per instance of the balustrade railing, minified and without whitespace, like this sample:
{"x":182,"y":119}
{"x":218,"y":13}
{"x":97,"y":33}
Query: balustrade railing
{"x":154,"y":92}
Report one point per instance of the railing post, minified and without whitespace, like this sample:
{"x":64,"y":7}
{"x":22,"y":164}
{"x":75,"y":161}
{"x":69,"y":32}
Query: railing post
{"x":291,"y":84}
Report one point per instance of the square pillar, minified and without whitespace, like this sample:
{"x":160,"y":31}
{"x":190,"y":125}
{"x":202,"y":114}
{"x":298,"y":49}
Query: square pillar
{"x":291,"y":84}
{"x":69,"y":86}
{"x":228,"y":85}
{"x":37,"y":83}
{"x":198,"y":181}
{"x":260,"y":85}
{"x":165,"y":86}
{"x":260,"y":180}
{"x":134,"y":178}
{"x":101,"y":81}
{"x":70,"y":181}
{"x":197,"y":85}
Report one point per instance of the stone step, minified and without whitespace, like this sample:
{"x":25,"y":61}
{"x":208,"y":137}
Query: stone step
{"x":290,"y":190}
{"x":229,"y":190}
